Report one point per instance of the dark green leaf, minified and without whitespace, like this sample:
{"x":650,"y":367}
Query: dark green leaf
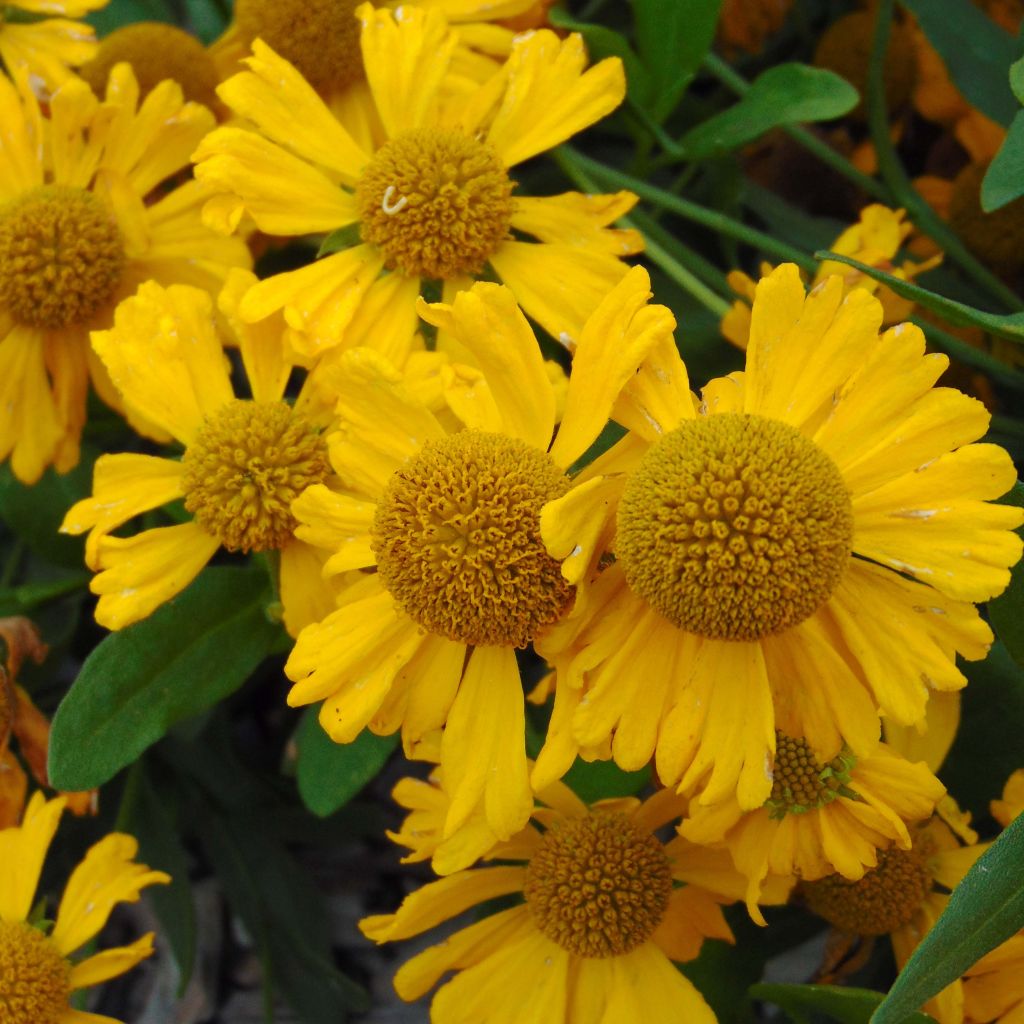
{"x":1010,"y":326}
{"x":605,"y":42}
{"x":206,"y":19}
{"x":785,"y":94}
{"x":596,"y":780}
{"x":124,"y":12}
{"x":1017,"y":79}
{"x":1004,"y":179}
{"x":976,"y":51}
{"x":147,"y":815}
{"x":672,"y":40}
{"x":137,"y":683}
{"x":284,"y":914}
{"x":343,"y":238}
{"x":984,"y":910}
{"x":329,"y":773}
{"x":846,"y":1005}
{"x":1006,"y":612}
{"x":35,"y":513}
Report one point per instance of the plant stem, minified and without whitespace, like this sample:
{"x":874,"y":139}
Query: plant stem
{"x":824,"y":152}
{"x":571,"y":161}
{"x":896,"y":178}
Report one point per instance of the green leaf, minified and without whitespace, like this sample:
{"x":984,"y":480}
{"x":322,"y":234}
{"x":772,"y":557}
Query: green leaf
{"x":782,"y":95}
{"x":1006,"y":612}
{"x":846,"y":1005}
{"x":605,"y":42}
{"x":137,"y":683}
{"x":984,"y":910}
{"x":330,"y":774}
{"x":672,"y":40}
{"x":1004,"y":179}
{"x":976,"y":51}
{"x":1017,"y":79}
{"x":1010,"y":326}
{"x":206,"y":18}
{"x":125,"y":12}
{"x":343,"y":238}
{"x":597,"y":780}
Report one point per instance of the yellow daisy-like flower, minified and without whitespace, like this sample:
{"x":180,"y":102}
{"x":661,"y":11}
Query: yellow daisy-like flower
{"x":814,"y":526}
{"x":245,"y":460}
{"x":85,"y":216}
{"x":445,"y":511}
{"x":902,"y":898}
{"x":600,"y":922}
{"x":37,"y":972}
{"x":875,"y":239}
{"x":434,"y":202}
{"x":821,"y":818}
{"x":44,"y":48}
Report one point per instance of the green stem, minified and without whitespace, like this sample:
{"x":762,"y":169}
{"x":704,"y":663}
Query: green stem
{"x":896,"y":178}
{"x":658,"y":254}
{"x":822,"y":150}
{"x":606,"y":176}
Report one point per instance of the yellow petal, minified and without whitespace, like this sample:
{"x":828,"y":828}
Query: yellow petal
{"x":575,"y":218}
{"x":21,"y":141}
{"x":932,"y":743}
{"x":75,"y":153}
{"x":110,"y":963}
{"x":657,"y":399}
{"x":691,"y":916}
{"x":647,"y":987}
{"x":483,"y":752}
{"x":306,"y":596}
{"x":22,"y":852}
{"x":123,"y":487}
{"x":486,"y":320}
{"x":338,"y":524}
{"x":107,"y":876}
{"x":550,"y":97}
{"x":165,"y":358}
{"x":141,"y":573}
{"x":614,"y":342}
{"x":406,"y":53}
{"x":578,"y":528}
{"x":285,"y":107}
{"x":47,"y":49}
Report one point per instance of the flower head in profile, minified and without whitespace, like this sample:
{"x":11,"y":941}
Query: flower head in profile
{"x":811,"y":534}
{"x":86,"y":214}
{"x":441,"y":512}
{"x":38,"y":967}
{"x":245,"y":459}
{"x":46,"y":49}
{"x":605,"y":908}
{"x":432,"y":200}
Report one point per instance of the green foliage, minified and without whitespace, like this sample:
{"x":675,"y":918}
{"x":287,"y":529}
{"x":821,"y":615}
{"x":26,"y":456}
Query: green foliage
{"x":329,"y":774}
{"x":783,"y":95}
{"x":977,"y":52}
{"x":985,"y":909}
{"x":137,"y":683}
{"x":1004,"y":179}
{"x":597,"y":780}
{"x":846,"y":1005}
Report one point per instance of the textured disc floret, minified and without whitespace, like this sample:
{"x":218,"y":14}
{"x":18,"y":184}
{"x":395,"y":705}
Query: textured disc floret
{"x":248,"y":463}
{"x":735,"y":527}
{"x":320,"y":37}
{"x":457,"y":540}
{"x":598,"y":886}
{"x":34,"y":977}
{"x":436,"y":203}
{"x":885,"y":899}
{"x":801,"y":783}
{"x":61,"y":256}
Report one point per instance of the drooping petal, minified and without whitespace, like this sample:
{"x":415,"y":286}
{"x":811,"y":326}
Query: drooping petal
{"x":110,"y":963}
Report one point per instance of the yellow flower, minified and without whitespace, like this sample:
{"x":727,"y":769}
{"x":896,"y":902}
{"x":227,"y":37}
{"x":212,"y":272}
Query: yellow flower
{"x":902,"y":898}
{"x":45,"y":49}
{"x":821,"y":818}
{"x":78,"y":232}
{"x":994,"y":986}
{"x":445,"y":510}
{"x":809,"y":535}
{"x":875,"y":239}
{"x":600,"y":922}
{"x":433,"y":201}
{"x":37,"y":973}
{"x":245,"y":460}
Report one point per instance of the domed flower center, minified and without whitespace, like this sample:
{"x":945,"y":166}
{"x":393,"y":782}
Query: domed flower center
{"x":882,"y":901}
{"x":61,"y":256}
{"x":248,"y":463}
{"x":320,"y":37}
{"x":801,"y":783}
{"x":34,"y":986}
{"x":735,"y":527}
{"x":156,"y":51}
{"x":598,"y":886}
{"x":436,"y":203}
{"x":457,"y":540}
